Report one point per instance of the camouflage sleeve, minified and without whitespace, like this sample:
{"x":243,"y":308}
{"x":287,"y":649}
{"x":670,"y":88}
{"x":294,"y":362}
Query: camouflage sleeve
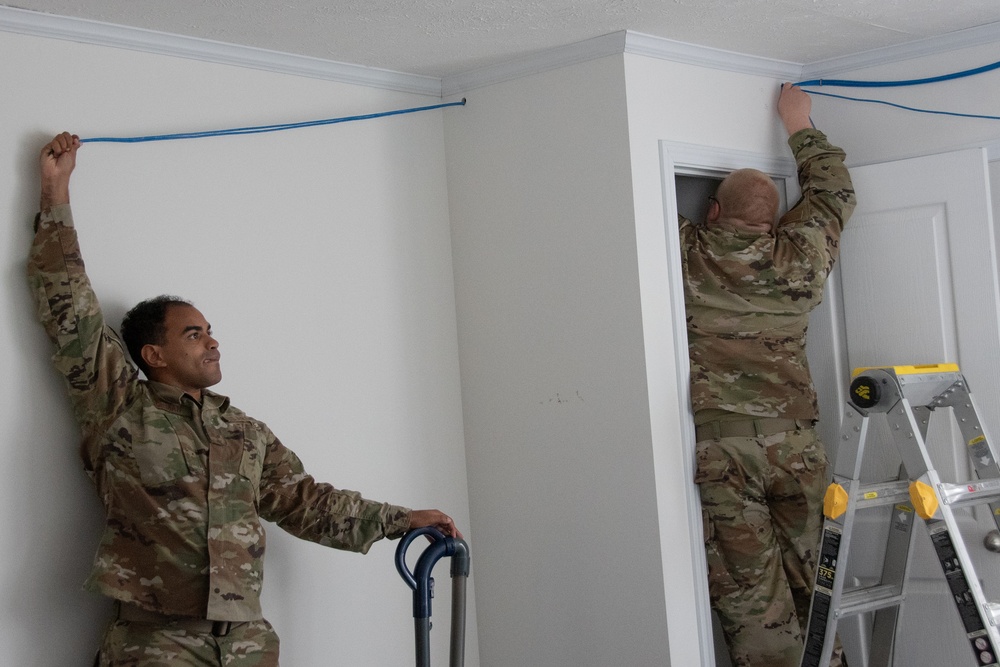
{"x":319,"y":512}
{"x":88,"y":354}
{"x":811,"y":229}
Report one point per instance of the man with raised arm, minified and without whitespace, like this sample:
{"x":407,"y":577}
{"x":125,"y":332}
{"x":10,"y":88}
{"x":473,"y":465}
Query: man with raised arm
{"x":751,"y":279}
{"x":184,"y":477}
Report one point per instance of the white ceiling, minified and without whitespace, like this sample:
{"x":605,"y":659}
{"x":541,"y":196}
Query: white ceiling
{"x":441,"y":38}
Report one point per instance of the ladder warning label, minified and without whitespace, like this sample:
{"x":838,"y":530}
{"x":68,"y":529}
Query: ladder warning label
{"x":826,"y":567}
{"x":965,"y":599}
{"x":902,"y":518}
{"x":819,"y":614}
{"x":985,"y":654}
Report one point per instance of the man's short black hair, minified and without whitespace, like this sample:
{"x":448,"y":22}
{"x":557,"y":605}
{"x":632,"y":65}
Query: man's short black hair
{"x":144,"y":325}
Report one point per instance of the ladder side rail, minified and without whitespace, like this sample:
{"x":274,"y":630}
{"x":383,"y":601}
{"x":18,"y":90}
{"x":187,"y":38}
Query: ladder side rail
{"x":978,"y":442}
{"x":946,"y":537}
{"x":966,"y":591}
{"x":979,"y":445}
{"x":908,"y":436}
{"x":831,"y":568}
{"x":829,"y":585}
{"x":896,"y":564}
{"x":850,"y":447}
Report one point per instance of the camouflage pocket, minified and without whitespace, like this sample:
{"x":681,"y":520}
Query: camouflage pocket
{"x":252,"y":458}
{"x":720,"y":582}
{"x":160,"y":460}
{"x":815,"y":459}
{"x":712,"y":463}
{"x":812,"y":458}
{"x":157,"y":450}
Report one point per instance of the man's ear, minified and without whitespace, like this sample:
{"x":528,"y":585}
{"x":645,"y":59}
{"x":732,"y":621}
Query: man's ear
{"x":151,"y":355}
{"x":714,"y":210}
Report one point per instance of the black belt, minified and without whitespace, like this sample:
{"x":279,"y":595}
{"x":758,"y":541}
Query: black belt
{"x":134,"y":614}
{"x":748,"y":428}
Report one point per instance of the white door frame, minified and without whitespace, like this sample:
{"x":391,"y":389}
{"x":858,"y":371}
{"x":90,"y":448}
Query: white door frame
{"x":677,"y":158}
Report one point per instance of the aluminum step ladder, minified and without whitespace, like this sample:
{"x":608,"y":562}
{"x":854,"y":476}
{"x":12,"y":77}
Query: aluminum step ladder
{"x":905,"y":395}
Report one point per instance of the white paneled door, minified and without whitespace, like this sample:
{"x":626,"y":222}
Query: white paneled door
{"x":918,"y":285}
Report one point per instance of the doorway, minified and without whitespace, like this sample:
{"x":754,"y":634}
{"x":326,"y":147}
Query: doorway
{"x":917,"y":283}
{"x":692,"y":193}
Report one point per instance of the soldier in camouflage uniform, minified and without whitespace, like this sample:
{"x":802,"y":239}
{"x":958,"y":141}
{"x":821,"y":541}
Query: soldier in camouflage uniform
{"x":184,"y":477}
{"x":751,"y":281}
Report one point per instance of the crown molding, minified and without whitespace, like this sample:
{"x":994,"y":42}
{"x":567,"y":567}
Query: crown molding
{"x":550,"y":59}
{"x":704,"y":56}
{"x":960,"y":39}
{"x":37,"y":24}
{"x":625,"y":41}
{"x":86,"y":31}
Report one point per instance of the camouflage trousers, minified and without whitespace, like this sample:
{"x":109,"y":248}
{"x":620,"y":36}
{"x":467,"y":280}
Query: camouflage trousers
{"x":762,"y":503}
{"x":134,"y":644}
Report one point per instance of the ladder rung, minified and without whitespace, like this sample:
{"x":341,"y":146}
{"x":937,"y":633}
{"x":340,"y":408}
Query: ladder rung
{"x":872,"y":598}
{"x":883,"y":493}
{"x":977,"y":492}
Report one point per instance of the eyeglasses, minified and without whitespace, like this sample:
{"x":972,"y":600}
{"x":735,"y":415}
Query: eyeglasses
{"x":711,"y":199}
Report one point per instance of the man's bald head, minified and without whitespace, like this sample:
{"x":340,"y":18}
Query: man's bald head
{"x":747,"y":199}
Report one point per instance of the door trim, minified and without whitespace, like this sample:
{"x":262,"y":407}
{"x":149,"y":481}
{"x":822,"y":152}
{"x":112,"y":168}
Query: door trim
{"x":678,"y":158}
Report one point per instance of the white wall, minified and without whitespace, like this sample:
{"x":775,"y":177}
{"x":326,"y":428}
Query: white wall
{"x":322,"y":257}
{"x":554,"y":389}
{"x":876,"y":133}
{"x":680,"y":103}
{"x":571,"y":381}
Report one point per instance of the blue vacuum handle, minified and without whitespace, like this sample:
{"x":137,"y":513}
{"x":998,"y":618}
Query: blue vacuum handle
{"x":404,"y":544}
{"x":422,"y":585}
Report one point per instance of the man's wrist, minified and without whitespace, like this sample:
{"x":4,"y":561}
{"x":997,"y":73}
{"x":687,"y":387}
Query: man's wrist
{"x":793,"y":125}
{"x":53,"y":197}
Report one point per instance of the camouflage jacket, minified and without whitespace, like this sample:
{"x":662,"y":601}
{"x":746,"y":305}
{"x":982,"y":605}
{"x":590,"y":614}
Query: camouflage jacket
{"x":749,"y":296}
{"x":184,"y":485}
